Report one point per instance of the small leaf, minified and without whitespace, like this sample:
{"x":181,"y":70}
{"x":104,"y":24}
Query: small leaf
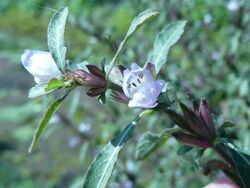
{"x":50,"y":112}
{"x":102,"y":98}
{"x":54,"y":84}
{"x":38,"y":90}
{"x":138,"y":21}
{"x":150,"y":142}
{"x":183,"y":149}
{"x":102,"y":166}
{"x":164,"y":40}
{"x":227,"y":124}
{"x":56,"y":41}
{"x":197,"y":158}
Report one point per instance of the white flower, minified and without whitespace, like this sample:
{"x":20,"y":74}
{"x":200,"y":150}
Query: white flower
{"x":233,"y":5}
{"x":41,"y":65}
{"x":140,"y":86}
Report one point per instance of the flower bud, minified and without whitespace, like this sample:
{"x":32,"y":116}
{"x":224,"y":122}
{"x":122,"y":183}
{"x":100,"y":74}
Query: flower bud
{"x":120,"y":97}
{"x":93,"y":92}
{"x":191,"y":140}
{"x":85,"y":78}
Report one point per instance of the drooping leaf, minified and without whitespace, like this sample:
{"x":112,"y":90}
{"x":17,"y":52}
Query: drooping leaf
{"x":39,"y":90}
{"x":56,"y":41}
{"x":138,"y":21}
{"x":151,"y":142}
{"x":54,"y":84}
{"x":102,"y":166}
{"x":164,"y":40}
{"x":241,"y":162}
{"x":45,"y":120}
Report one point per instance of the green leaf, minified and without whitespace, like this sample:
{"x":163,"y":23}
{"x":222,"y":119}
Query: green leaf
{"x":56,"y":41}
{"x":102,"y":98}
{"x":197,"y":158}
{"x":102,"y":166}
{"x":164,"y":40}
{"x":54,"y":84}
{"x":138,"y":21}
{"x":82,"y":65}
{"x":150,"y":142}
{"x":39,"y":90}
{"x":45,"y":120}
{"x":183,"y":149}
{"x":241,"y":163}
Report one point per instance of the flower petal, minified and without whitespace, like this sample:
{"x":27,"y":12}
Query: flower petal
{"x":135,"y":78}
{"x":40,"y":64}
{"x":147,"y":95}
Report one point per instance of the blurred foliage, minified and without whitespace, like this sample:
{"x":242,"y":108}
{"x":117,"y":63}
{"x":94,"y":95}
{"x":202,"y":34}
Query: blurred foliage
{"x":210,"y":60}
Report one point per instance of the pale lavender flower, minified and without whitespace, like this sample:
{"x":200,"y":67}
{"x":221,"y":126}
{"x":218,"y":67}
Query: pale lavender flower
{"x":41,"y":65}
{"x":140,"y":86}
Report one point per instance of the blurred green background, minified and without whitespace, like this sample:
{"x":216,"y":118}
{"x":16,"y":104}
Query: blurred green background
{"x":210,"y":60}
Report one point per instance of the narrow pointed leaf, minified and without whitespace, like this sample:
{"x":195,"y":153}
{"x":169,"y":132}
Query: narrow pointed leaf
{"x":50,"y":112}
{"x":241,"y":163}
{"x":164,"y":40}
{"x":56,"y":41}
{"x":138,"y":21}
{"x":102,"y":166}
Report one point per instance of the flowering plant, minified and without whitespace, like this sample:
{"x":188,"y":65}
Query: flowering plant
{"x":138,"y":87}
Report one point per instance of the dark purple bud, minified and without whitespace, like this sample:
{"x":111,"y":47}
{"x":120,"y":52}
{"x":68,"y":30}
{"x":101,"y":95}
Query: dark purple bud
{"x":93,"y":92}
{"x":191,"y":140}
{"x":215,"y":165}
{"x":197,"y":126}
{"x":196,"y":107}
{"x":85,"y":78}
{"x":179,"y":120}
{"x":95,"y":71}
{"x":151,"y":68}
{"x":121,"y":68}
{"x":120,"y":97}
{"x":205,"y":115}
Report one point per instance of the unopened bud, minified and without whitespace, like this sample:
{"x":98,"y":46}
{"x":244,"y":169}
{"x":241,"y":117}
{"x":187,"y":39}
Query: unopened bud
{"x":191,"y":140}
{"x":85,"y":78}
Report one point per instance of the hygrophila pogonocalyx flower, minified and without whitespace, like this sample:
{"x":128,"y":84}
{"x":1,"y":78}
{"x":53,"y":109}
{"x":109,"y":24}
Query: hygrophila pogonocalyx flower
{"x":140,"y":86}
{"x":41,"y":65}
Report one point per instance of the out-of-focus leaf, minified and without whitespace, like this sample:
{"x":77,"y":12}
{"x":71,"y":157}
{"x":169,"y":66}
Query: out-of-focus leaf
{"x":227,"y":124}
{"x":151,"y":142}
{"x":138,"y":21}
{"x":45,"y":120}
{"x":183,"y":149}
{"x":244,"y":88}
{"x":164,"y":40}
{"x":54,"y":84}
{"x":56,"y":41}
{"x":241,"y":163}
{"x":102,"y":166}
{"x":39,"y":90}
